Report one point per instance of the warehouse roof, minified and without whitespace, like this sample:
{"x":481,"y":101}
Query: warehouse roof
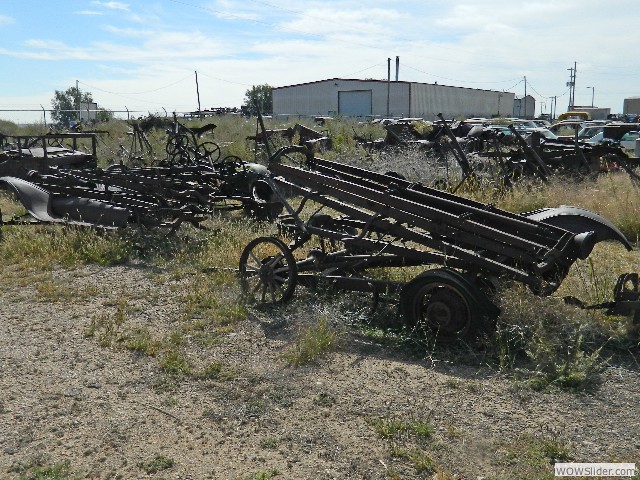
{"x":379,"y":81}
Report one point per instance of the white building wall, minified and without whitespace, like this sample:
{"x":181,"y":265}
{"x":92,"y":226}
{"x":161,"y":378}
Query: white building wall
{"x":631,"y":105}
{"x":306,"y":99}
{"x":321,"y":98}
{"x":405,"y":99}
{"x":456,"y":102}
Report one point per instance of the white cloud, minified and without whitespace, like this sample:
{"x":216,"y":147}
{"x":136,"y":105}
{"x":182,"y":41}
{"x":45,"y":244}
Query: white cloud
{"x":112,"y":5}
{"x":89,"y":12}
{"x":5,"y":20}
{"x":232,"y":10}
{"x":170,"y":46}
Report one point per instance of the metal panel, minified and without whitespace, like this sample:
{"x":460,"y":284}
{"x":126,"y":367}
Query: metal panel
{"x":395,"y":99}
{"x":354,"y":103}
{"x":631,"y":106}
{"x":457,"y":102}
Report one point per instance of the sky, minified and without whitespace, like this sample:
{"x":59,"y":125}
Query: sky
{"x":142,"y":57}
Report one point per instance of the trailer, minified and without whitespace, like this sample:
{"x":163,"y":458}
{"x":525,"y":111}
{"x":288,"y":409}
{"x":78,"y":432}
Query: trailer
{"x":368,"y":221}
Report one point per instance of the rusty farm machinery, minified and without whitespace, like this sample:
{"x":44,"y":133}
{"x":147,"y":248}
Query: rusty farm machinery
{"x":363,"y":221}
{"x":149,"y":197}
{"x":190,"y":184}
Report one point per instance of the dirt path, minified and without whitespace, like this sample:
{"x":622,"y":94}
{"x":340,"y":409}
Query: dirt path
{"x":112,"y":413}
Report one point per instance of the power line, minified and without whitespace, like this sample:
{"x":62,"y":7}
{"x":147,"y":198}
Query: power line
{"x":456,"y":80}
{"x":224,"y":80}
{"x":138,"y":93}
{"x":363,"y":70}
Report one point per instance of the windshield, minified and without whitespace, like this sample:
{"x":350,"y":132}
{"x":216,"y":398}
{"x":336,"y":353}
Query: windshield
{"x":589,"y":132}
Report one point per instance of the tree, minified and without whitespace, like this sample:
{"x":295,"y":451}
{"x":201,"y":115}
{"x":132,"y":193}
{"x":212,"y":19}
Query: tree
{"x":65,"y":105}
{"x":104,"y":115}
{"x":260,"y":94}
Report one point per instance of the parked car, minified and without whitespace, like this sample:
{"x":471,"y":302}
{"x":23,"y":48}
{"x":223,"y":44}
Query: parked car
{"x":542,"y":123}
{"x":589,"y":132}
{"x":525,"y":124}
{"x":574,"y":115}
{"x":546,"y":133}
{"x":628,"y":141}
{"x":597,"y":139}
{"x":567,"y":128}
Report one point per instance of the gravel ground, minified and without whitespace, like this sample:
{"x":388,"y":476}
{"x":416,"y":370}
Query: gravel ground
{"x":110,"y":412}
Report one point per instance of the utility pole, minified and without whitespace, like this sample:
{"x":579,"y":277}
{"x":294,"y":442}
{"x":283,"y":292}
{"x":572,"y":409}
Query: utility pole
{"x":388,"y":84}
{"x":77,"y":102}
{"x":593,"y":94}
{"x":572,"y":85}
{"x":525,"y":96}
{"x":198,"y":91}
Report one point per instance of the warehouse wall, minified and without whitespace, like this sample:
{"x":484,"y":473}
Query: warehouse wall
{"x":631,"y":105}
{"x":406,"y":99}
{"x":456,"y":102}
{"x":321,"y":98}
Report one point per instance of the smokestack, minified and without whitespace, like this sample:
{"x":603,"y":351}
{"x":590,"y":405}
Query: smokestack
{"x":397,"y":67}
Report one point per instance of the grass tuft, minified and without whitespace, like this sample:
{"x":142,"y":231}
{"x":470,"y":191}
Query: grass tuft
{"x":157,"y":464}
{"x":392,"y":428}
{"x":174,"y":362}
{"x":59,"y":471}
{"x":419,"y":460}
{"x":312,"y":343}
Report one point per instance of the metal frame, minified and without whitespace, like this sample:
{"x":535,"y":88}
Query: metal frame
{"x":384,"y":221}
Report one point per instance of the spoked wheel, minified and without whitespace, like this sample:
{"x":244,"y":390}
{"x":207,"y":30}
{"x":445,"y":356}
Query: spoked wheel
{"x":268,"y":272}
{"x":176,"y":144}
{"x":445,"y":303}
{"x":230,"y":164}
{"x":209,"y":151}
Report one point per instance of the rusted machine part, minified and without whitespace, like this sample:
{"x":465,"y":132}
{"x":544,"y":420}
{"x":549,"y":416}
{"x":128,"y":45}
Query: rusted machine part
{"x":579,"y":220}
{"x":152,"y":196}
{"x":483,"y":237}
{"x":626,"y":296}
{"x":47,"y":207}
{"x":461,"y":158}
{"x":390,"y":222}
{"x":532,"y":155}
{"x":44,"y":153}
{"x":307,"y":136}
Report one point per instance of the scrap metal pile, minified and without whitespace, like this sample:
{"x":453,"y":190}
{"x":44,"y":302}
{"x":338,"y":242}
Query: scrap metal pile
{"x":152,"y":196}
{"x":361,"y":221}
{"x":385,"y":221}
{"x":500,"y":153}
{"x":190,"y":184}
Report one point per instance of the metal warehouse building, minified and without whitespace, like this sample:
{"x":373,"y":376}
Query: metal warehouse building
{"x":631,"y":106}
{"x":379,"y":98}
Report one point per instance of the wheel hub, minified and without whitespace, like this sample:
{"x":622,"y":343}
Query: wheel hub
{"x":266,"y":273}
{"x":446,"y":312}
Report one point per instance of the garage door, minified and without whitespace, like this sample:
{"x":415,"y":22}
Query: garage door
{"x":354,"y":103}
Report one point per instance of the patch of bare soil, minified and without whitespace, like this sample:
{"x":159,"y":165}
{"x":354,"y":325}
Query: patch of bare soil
{"x":113,"y":413}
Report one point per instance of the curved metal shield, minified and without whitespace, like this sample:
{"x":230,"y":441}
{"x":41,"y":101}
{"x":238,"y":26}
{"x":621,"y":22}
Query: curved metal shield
{"x":579,"y":220}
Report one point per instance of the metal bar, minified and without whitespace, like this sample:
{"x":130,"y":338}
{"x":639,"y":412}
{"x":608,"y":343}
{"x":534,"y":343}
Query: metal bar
{"x":437,"y":221}
{"x":447,"y":201}
{"x":448,"y":249}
